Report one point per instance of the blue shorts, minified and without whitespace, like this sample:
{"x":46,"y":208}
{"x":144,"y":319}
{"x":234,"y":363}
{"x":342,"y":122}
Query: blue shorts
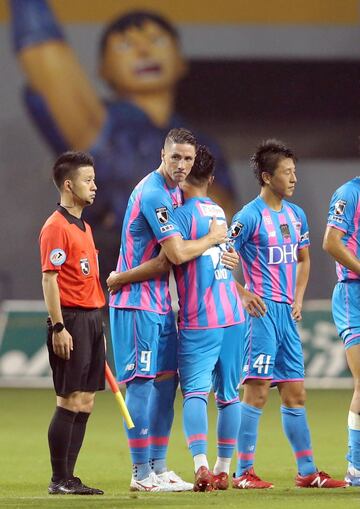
{"x":144,"y":343}
{"x":211,"y":357}
{"x":272,"y":346}
{"x":346,"y":312}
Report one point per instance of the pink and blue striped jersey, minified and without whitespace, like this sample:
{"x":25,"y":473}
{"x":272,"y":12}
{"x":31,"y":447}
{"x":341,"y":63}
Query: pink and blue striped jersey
{"x":268,"y":243}
{"x":207,"y":293}
{"x":149,"y":220}
{"x":344,"y":215}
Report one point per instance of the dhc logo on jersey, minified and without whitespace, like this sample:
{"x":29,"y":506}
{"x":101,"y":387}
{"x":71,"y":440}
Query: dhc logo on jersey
{"x":286,"y":253}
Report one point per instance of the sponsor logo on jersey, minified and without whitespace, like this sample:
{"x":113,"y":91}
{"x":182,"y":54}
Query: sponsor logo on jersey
{"x":282,"y":254}
{"x":235,"y":230}
{"x":304,"y":237}
{"x":85,"y":266}
{"x":57,"y":257}
{"x":166,"y":228}
{"x":340,"y":207}
{"x":285,"y":232}
{"x":162,"y":215}
{"x":211,"y":210}
{"x":130,"y":367}
{"x":337,"y":219}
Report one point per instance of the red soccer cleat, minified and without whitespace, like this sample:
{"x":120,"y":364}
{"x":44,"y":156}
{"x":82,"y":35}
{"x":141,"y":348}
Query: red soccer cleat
{"x":203,"y":480}
{"x":250,"y":481}
{"x":318,"y":480}
{"x":220,"y":481}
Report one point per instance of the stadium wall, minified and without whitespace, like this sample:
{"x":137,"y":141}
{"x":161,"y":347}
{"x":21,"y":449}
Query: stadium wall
{"x":24,"y":358}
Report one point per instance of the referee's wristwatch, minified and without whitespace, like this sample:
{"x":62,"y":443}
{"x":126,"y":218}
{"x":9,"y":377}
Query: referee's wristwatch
{"x":58,"y":327}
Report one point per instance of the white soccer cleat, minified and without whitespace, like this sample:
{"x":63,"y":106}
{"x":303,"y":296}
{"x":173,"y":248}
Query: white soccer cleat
{"x":174,"y":482}
{"x":150,"y":483}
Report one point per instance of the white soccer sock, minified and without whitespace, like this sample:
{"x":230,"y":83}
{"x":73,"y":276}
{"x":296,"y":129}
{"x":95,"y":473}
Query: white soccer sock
{"x":222,"y":465}
{"x":200,"y":460}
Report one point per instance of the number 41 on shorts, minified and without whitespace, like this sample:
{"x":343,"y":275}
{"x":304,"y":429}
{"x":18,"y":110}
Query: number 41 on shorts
{"x":262,"y":364}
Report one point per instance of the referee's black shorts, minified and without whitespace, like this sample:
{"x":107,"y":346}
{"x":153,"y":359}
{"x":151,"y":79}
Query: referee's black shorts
{"x":85,"y":370}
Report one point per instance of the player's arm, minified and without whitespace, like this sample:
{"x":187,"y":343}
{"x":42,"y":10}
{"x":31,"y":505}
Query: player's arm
{"x":302,"y":278}
{"x":333,"y":245}
{"x":179,"y":251}
{"x":147,"y":270}
{"x":54,"y":72}
{"x":253,"y":304}
{"x":61,"y":341}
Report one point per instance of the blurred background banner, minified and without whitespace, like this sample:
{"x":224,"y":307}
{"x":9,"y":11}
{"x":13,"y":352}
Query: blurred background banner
{"x":283,"y":68}
{"x":24,"y":357}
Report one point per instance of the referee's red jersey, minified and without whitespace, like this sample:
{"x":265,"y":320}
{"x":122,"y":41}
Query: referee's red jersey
{"x":67,"y":246}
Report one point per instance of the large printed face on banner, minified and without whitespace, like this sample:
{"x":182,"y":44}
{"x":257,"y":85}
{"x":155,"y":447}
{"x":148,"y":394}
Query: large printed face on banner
{"x":142,"y":59}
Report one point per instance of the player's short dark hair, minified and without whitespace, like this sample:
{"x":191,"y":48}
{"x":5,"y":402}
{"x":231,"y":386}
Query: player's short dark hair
{"x":203,"y":167}
{"x":67,"y":163}
{"x":135,"y":18}
{"x":268,"y":156}
{"x":180,"y":135}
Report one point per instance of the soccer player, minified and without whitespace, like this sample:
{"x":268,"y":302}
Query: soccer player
{"x":142,"y":323}
{"x":74,"y":298}
{"x":271,"y":236}
{"x":141,"y":62}
{"x":341,"y":241}
{"x":211,"y":331}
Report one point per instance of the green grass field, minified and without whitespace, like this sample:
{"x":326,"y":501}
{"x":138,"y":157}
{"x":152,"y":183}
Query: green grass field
{"x":104,"y":461}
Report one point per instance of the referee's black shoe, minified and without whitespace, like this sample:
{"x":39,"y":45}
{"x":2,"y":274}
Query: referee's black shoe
{"x":72,"y":486}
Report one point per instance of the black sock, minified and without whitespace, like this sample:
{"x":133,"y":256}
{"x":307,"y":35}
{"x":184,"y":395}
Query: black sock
{"x":59,"y":436}
{"x":77,"y":438}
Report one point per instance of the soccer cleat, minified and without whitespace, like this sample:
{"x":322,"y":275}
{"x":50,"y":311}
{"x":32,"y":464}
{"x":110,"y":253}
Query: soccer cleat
{"x":220,"y":481}
{"x":72,"y":486}
{"x":174,"y":481}
{"x":77,"y":484}
{"x":352,"y":480}
{"x":151,"y":483}
{"x":250,"y":481}
{"x":352,"y":476}
{"x":203,"y":480}
{"x":318,"y":480}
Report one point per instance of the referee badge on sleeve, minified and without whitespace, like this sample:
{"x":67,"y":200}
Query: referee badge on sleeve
{"x":57,"y":257}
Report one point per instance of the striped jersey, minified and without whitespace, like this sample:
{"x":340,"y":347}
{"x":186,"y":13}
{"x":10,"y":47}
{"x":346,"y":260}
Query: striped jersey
{"x":344,"y":215}
{"x":268,"y":243}
{"x":207,"y":293}
{"x":149,"y":219}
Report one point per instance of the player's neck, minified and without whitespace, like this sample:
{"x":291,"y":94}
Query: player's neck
{"x":159,"y":106}
{"x":73,"y":209}
{"x":170,"y":183}
{"x":272,"y":200}
{"x":194,"y":191}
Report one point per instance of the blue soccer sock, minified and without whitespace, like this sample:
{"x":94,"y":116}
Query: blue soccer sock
{"x":195,"y":422}
{"x":296,"y":429}
{"x":137,"y":399}
{"x":161,"y":408}
{"x":228,"y":424}
{"x":354,"y":439}
{"x":247,"y":437}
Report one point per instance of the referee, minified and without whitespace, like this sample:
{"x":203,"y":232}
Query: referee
{"x":74,"y":298}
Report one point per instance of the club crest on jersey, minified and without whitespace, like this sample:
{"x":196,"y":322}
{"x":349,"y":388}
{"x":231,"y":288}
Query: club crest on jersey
{"x":85,"y":266}
{"x":162,"y":215}
{"x":235,"y":230}
{"x":340,"y":207}
{"x":285,"y":232}
{"x":57,"y":257}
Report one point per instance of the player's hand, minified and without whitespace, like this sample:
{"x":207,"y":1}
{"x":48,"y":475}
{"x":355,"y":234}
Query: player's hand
{"x":113,"y":282}
{"x":253,"y":304}
{"x":62,"y":343}
{"x":230,"y":259}
{"x":217,"y":232}
{"x":296,"y":311}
